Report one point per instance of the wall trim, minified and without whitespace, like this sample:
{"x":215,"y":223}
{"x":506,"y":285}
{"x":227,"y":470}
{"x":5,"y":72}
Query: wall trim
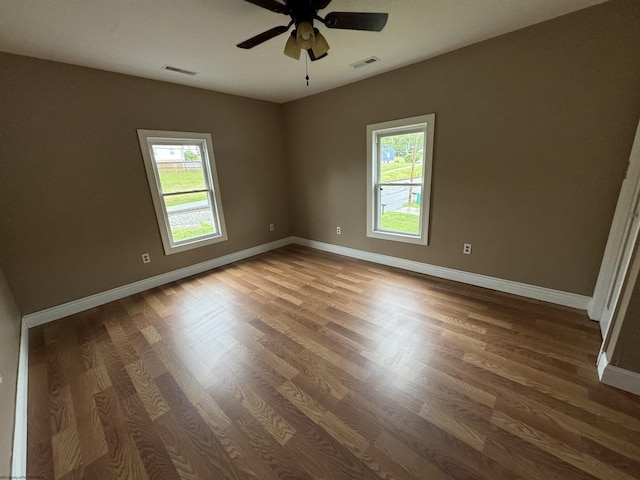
{"x":19,"y":455}
{"x":592,"y":311}
{"x":608,"y":374}
{"x":558,"y":297}
{"x":60,"y":311}
{"x":524,"y":290}
{"x":618,"y":377}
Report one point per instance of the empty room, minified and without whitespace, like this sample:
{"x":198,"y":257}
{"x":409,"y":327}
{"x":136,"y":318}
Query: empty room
{"x":320,"y":239}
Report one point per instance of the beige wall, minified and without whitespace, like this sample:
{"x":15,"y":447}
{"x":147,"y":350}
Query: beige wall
{"x":9,"y":346}
{"x":75,"y":206}
{"x":533,"y":133}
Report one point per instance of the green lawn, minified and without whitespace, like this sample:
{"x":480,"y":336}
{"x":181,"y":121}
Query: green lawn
{"x":177,"y":180}
{"x":183,"y":233}
{"x":395,"y":171}
{"x":173,"y":200}
{"x":400,"y":222}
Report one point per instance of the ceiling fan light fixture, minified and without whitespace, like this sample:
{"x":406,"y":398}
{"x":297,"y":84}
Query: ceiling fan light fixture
{"x":321,"y":46}
{"x":305,"y":35}
{"x":291,"y":48}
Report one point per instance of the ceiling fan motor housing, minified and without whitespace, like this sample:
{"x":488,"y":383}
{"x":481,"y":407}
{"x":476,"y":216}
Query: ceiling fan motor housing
{"x":301,"y":11}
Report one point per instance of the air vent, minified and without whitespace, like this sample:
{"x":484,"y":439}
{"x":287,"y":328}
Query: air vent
{"x":179,"y":70}
{"x":366,"y":61}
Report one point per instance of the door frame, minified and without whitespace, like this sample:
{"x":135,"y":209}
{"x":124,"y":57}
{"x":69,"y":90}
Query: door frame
{"x":620,"y":246}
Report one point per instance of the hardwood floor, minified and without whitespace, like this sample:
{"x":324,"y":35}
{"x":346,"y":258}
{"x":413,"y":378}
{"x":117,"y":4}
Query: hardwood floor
{"x":298,"y":364}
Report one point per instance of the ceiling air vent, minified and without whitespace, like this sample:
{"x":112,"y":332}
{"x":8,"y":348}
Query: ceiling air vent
{"x":366,"y":61}
{"x":179,"y":70}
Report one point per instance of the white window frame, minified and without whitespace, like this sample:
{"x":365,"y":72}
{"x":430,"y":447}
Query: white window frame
{"x":149,"y":138}
{"x":424,"y":123}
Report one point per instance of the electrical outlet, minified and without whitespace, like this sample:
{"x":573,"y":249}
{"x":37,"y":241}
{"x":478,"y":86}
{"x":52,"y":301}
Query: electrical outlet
{"x":466,"y":249}
{"x":146,"y":258}
{"x":272,"y":227}
{"x":339,"y":230}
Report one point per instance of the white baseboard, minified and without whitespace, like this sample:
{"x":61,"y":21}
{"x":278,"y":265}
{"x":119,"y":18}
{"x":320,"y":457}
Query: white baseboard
{"x":594,"y":311}
{"x":507,"y":286}
{"x":618,"y":377}
{"x":82,"y":304}
{"x":524,"y":290}
{"x":609,"y":374}
{"x":19,"y":455}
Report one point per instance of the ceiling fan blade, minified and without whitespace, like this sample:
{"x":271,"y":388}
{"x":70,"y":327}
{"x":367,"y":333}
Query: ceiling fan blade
{"x":270,"y":5}
{"x":263,"y":37}
{"x":373,"y":22}
{"x":313,"y":58}
{"x":320,"y":4}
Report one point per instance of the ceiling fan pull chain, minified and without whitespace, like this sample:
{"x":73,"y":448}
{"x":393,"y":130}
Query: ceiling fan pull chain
{"x":306,"y":66}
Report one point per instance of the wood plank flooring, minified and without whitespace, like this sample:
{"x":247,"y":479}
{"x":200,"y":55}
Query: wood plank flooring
{"x":297,"y":364}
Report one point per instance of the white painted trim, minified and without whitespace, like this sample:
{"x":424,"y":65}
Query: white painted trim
{"x":149,"y":138}
{"x":524,"y":290}
{"x":426,"y":124}
{"x":618,"y":377}
{"x":611,"y":375}
{"x":621,"y":237}
{"x":602,"y":364}
{"x":75,"y":306}
{"x":592,"y":310}
{"x":19,"y":455}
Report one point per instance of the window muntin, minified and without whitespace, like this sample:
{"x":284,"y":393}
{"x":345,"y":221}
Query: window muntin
{"x":400,"y":156}
{"x":183,"y":181}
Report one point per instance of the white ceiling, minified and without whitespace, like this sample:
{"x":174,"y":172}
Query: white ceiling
{"x":139,"y":37}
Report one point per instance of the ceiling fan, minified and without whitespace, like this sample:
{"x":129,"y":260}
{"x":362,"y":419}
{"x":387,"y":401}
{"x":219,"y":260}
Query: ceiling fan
{"x":305,"y":35}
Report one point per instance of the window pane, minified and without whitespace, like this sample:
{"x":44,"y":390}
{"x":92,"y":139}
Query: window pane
{"x":399,"y":209}
{"x":401,"y":157}
{"x":179,"y":167}
{"x":190,"y":216}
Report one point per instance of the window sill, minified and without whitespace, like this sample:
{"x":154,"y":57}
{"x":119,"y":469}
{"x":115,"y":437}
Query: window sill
{"x":398,"y":237}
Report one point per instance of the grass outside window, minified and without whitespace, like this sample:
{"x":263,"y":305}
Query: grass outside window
{"x":400,"y":222}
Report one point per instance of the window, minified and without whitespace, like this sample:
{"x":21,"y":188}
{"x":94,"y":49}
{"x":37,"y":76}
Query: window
{"x":184,"y":185}
{"x":400,"y":157}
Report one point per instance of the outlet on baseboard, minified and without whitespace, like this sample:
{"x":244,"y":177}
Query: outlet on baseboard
{"x":339,"y":230}
{"x":146,"y":258}
{"x":466,"y":249}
